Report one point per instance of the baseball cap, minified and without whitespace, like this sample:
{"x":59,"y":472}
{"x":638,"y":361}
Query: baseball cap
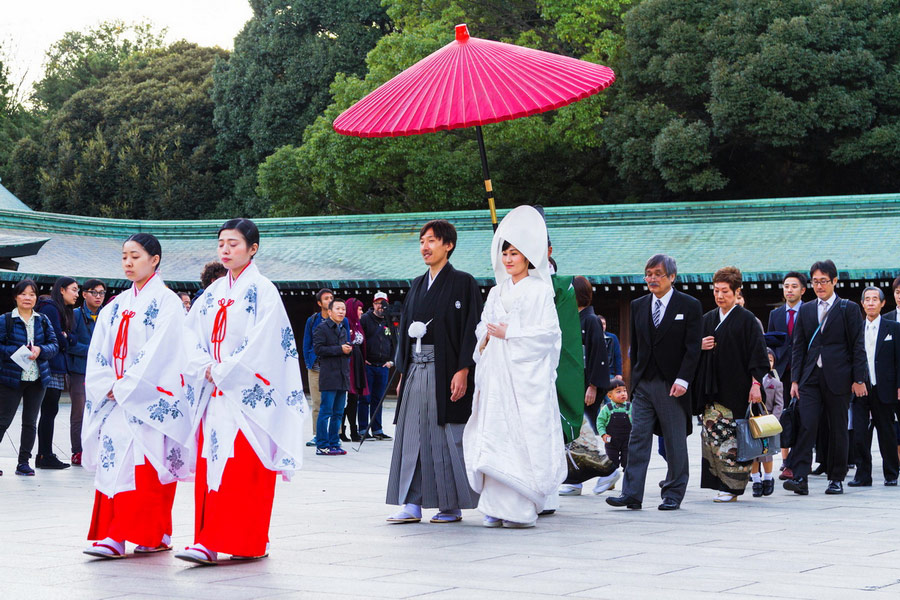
{"x":380,"y":296}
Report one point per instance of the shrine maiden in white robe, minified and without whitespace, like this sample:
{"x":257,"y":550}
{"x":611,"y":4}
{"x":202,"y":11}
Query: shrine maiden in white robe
{"x":136,"y":352}
{"x":256,"y":367}
{"x":513,"y":443}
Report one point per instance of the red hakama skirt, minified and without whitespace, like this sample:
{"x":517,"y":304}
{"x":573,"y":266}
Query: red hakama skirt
{"x":141,"y":516}
{"x":235,"y":518}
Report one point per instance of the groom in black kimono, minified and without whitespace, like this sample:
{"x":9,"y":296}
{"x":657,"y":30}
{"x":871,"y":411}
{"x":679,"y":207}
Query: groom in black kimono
{"x":434,"y":398}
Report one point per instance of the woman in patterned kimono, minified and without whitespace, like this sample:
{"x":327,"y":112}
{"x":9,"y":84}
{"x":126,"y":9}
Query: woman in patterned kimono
{"x":513,"y":443}
{"x":251,"y":411}
{"x":732,"y":368}
{"x":136,"y":418}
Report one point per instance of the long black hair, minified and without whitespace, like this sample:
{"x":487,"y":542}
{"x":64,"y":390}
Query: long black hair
{"x":66,"y":311}
{"x":149,"y":243}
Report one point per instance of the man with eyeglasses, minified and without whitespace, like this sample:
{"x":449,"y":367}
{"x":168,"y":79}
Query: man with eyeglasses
{"x":665,"y":349}
{"x":94,"y":293}
{"x":828,"y":367}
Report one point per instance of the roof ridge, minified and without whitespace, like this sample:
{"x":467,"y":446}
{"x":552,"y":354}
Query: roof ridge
{"x":472,"y":220}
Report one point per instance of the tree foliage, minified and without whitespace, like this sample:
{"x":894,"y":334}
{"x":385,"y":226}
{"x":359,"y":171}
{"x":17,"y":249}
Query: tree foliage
{"x":137,"y":144}
{"x":551,"y":159}
{"x":769,"y":98}
{"x":81,"y":59}
{"x":15,"y":123}
{"x":277,"y":80}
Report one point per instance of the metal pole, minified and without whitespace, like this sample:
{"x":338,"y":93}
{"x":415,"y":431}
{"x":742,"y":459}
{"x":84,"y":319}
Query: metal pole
{"x":488,"y":187}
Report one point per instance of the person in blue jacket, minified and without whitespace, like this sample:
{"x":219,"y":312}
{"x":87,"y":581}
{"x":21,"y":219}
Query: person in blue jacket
{"x":59,"y":308}
{"x":24,"y":327}
{"x":94,"y":293}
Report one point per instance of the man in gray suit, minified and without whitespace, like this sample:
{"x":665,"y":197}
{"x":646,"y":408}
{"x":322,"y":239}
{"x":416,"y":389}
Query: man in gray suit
{"x":665,"y":350}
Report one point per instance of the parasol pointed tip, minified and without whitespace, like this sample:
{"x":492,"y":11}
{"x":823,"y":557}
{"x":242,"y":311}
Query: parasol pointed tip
{"x":462,"y":32}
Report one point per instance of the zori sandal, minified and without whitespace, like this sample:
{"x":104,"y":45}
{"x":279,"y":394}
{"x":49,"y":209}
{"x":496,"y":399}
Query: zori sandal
{"x":106,"y":549}
{"x":446,"y":517}
{"x":198,"y":555}
{"x":164,"y":546}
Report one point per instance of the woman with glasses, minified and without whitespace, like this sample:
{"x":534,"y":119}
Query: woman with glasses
{"x":85,"y":318}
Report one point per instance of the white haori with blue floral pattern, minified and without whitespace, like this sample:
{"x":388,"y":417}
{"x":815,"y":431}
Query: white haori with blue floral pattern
{"x":259,"y":389}
{"x":150,"y":416}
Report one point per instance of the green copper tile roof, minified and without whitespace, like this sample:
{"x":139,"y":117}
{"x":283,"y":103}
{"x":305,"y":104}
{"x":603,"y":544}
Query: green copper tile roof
{"x":608,"y":243}
{"x":9,"y":202}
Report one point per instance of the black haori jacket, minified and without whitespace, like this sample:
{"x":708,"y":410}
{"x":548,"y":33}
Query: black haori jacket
{"x":453,"y":304}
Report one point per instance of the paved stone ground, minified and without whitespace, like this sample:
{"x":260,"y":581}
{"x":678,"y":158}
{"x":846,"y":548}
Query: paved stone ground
{"x":330,"y":540}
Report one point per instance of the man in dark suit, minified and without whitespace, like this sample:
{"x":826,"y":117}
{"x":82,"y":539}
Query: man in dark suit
{"x":783,"y":318}
{"x":882,"y":340}
{"x":895,"y":287}
{"x":828,"y":366}
{"x":665,"y":350}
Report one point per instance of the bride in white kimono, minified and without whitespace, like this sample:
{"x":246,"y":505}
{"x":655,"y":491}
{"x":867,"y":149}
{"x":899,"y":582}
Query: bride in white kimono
{"x":513,"y":443}
{"x":136,"y":418}
{"x":251,"y":412}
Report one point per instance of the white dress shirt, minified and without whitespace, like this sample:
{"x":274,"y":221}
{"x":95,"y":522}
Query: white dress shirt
{"x":823,"y":307}
{"x":665,"y":302}
{"x":662,"y":314}
{"x":787,"y":311}
{"x":871,"y":337}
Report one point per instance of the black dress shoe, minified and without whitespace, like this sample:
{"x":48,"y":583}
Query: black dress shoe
{"x":344,"y":437}
{"x":798,"y":486}
{"x":890,"y":482}
{"x":858,"y":483}
{"x":628,"y":501}
{"x":834,"y":487}
{"x":820,"y":470}
{"x":669,"y":504}
{"x":757,"y":489}
{"x":49,"y":461}
{"x":768,"y":487}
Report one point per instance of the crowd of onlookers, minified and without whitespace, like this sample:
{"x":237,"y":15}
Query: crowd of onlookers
{"x":348,"y":353}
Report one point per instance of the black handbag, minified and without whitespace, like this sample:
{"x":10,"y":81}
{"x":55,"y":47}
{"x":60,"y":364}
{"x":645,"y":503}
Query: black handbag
{"x":790,"y":424}
{"x":749,"y":447}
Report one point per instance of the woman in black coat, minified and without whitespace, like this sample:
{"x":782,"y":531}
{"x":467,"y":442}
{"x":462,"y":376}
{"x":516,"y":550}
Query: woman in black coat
{"x":734,"y":364}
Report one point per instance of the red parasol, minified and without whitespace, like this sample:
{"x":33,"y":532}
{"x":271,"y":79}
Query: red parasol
{"x":473,"y":82}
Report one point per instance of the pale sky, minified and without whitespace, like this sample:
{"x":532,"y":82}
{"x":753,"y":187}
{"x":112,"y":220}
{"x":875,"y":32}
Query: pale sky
{"x":27,"y":29}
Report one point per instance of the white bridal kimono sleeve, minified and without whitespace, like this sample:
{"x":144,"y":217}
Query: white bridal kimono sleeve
{"x":514,"y":435}
{"x":136,"y":352}
{"x":239,"y":327}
